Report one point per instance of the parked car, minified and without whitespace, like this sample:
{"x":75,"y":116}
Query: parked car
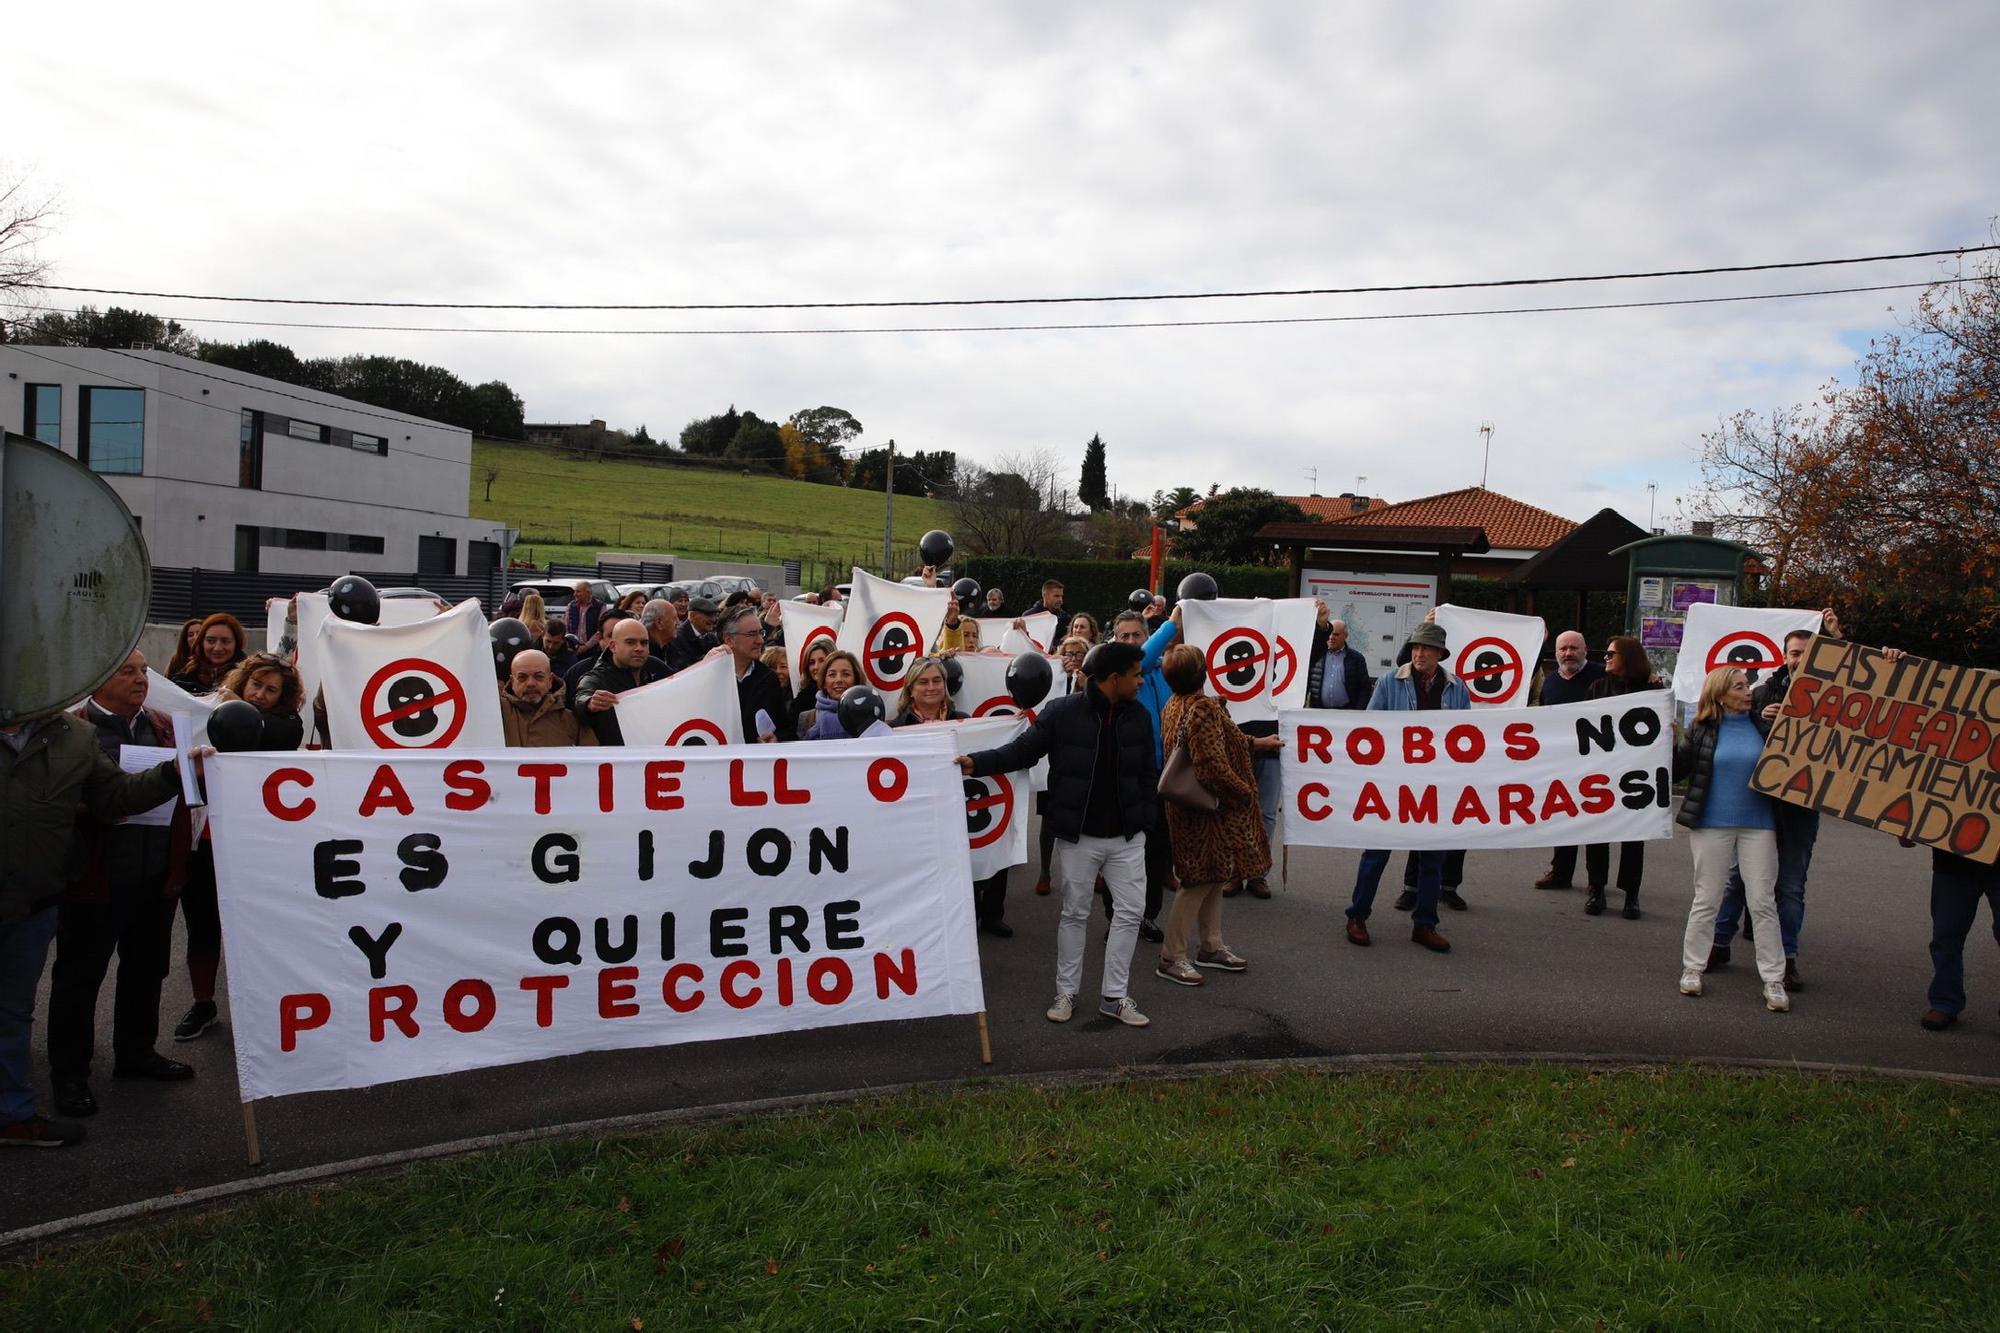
{"x":556,"y":593}
{"x":652,"y":590}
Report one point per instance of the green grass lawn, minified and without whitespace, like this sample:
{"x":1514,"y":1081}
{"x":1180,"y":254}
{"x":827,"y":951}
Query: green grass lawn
{"x":1467,"y":1198}
{"x":568,"y":510}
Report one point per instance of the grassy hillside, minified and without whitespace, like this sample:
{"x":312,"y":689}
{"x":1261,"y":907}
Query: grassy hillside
{"x":568,"y":509}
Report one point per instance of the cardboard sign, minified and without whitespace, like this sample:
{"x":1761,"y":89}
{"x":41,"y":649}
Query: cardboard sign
{"x":438,"y":912}
{"x":1909,"y":747}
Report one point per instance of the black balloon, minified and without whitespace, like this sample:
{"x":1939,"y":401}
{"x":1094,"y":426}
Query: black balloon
{"x":860,"y":708}
{"x":236,"y":727}
{"x":354,"y":598}
{"x":954,"y":674}
{"x":966,"y":590}
{"x":1198,"y":587}
{"x":1029,"y":677}
{"x":1139,"y":599}
{"x":509,"y":637}
{"x":935,"y":547}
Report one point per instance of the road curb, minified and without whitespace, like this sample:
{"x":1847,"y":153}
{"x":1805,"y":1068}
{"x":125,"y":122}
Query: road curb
{"x":233,"y":1191}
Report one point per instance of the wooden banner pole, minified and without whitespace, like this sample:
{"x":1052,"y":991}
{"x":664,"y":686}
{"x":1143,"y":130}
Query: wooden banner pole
{"x":985,"y":1040}
{"x":250,"y":1148}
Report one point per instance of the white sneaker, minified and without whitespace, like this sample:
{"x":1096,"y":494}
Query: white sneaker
{"x":1064,"y":1006}
{"x":1124,"y":1011}
{"x":1776,"y":1000}
{"x":1690,"y":983}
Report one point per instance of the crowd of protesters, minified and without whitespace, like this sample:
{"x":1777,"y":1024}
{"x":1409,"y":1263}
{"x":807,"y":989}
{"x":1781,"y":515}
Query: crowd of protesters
{"x":1152,"y":791}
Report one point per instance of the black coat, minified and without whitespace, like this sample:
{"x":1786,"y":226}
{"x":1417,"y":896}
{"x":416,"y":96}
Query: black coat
{"x":607,"y":675}
{"x":759,"y":688}
{"x":1066,"y":733}
{"x":1694,"y":759}
{"x":1556,"y":690}
{"x":688,"y":647}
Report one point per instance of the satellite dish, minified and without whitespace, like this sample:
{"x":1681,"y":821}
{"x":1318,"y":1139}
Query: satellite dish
{"x":75,"y":580}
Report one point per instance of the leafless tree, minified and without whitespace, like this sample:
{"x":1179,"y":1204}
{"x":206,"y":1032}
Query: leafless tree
{"x":490,"y":474}
{"x":1011,"y":509}
{"x":22,"y":222}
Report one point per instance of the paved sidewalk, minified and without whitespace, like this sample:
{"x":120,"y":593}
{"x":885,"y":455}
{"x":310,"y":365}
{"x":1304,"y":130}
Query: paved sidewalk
{"x":1528,"y":972}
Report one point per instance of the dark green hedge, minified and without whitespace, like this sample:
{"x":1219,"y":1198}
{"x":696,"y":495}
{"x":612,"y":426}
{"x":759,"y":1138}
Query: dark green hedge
{"x":1101,"y":586}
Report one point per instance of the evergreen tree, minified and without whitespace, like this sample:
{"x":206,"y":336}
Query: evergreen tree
{"x":1093,"y":488}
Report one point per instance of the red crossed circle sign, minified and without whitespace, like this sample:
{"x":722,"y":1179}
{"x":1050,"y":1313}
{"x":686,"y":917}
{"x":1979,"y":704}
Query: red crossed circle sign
{"x":1003,"y":705}
{"x":814,"y":635}
{"x":893,"y":643}
{"x":989,"y":809}
{"x":1284,"y":665}
{"x":697,"y":731}
{"x":1239,"y":661}
{"x":412,"y":704}
{"x":1491,"y":670}
{"x":1744,"y":648}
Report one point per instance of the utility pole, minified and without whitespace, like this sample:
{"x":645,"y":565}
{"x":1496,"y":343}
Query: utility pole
{"x":1486,"y":457}
{"x":888,"y":510}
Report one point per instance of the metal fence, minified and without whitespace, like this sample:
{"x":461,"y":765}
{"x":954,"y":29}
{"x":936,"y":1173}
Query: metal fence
{"x":182,"y":594}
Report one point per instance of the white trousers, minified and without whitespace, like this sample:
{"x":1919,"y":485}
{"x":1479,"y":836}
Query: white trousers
{"x":1755,"y":852}
{"x":1077,"y":866}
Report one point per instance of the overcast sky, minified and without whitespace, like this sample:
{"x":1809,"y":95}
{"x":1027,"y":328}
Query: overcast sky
{"x":839,"y":152}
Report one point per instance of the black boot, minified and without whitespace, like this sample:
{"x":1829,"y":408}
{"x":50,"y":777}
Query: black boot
{"x":1594,"y":904}
{"x":1631,"y":912}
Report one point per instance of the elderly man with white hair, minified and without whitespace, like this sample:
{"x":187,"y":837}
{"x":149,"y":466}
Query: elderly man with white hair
{"x":1569,"y":683}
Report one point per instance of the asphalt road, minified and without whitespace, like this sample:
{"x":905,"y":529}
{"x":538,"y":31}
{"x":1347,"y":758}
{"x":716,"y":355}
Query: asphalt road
{"x":1528,"y":972}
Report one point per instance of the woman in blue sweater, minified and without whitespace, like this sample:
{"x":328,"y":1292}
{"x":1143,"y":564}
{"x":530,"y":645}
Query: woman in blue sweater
{"x":1728,"y":823}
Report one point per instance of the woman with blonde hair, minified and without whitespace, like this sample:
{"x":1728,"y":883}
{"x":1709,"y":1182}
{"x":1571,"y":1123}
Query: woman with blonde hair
{"x":1729,"y":824}
{"x":1212,"y":849}
{"x":534,"y":613}
{"x":926,"y":697}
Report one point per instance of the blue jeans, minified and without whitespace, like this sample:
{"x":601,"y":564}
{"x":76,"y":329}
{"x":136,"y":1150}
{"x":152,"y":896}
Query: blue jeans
{"x":24,"y":948}
{"x":1957,"y":885}
{"x":1270,"y":790}
{"x":1368,"y":878}
{"x":1798,"y":829}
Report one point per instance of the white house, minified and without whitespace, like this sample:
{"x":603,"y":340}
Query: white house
{"x":226,"y":470}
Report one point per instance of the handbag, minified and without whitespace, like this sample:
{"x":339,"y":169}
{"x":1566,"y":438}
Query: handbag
{"x":1178,"y":783}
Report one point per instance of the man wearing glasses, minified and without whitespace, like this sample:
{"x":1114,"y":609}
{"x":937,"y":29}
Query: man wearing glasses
{"x":765,"y":717}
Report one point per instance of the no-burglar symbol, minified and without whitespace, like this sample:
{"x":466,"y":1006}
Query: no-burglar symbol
{"x":412,"y":704}
{"x":1491,"y":670}
{"x":989,"y":809}
{"x":697,"y":731}
{"x":1239,"y":659}
{"x":1744,"y":648}
{"x":1287,"y":666}
{"x":893,"y":643}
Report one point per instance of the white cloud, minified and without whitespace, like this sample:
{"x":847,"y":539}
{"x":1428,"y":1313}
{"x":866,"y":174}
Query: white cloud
{"x":830,"y":152}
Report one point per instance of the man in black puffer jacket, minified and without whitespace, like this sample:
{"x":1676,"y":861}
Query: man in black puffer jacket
{"x":1103,"y":789}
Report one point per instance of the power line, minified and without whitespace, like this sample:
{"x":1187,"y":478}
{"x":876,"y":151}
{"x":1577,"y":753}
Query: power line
{"x":1027,"y":300}
{"x":1079,"y":327}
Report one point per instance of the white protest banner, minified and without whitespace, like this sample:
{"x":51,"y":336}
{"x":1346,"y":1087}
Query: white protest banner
{"x":426,"y":686}
{"x":1293,"y":620}
{"x":277,"y":615}
{"x":1233,"y":636}
{"x":697,"y":706}
{"x":189,"y":713}
{"x":1599,"y":771}
{"x":1043,"y":629}
{"x":1750,"y":637}
{"x":312,"y":612}
{"x":996,"y":807}
{"x":889,"y":626}
{"x":1493,"y":652}
{"x":803,"y":623}
{"x":426,"y":912}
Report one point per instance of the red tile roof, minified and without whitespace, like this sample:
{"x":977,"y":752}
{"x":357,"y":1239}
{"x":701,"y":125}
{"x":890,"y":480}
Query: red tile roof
{"x":1324,"y":508}
{"x":1509,"y":523}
